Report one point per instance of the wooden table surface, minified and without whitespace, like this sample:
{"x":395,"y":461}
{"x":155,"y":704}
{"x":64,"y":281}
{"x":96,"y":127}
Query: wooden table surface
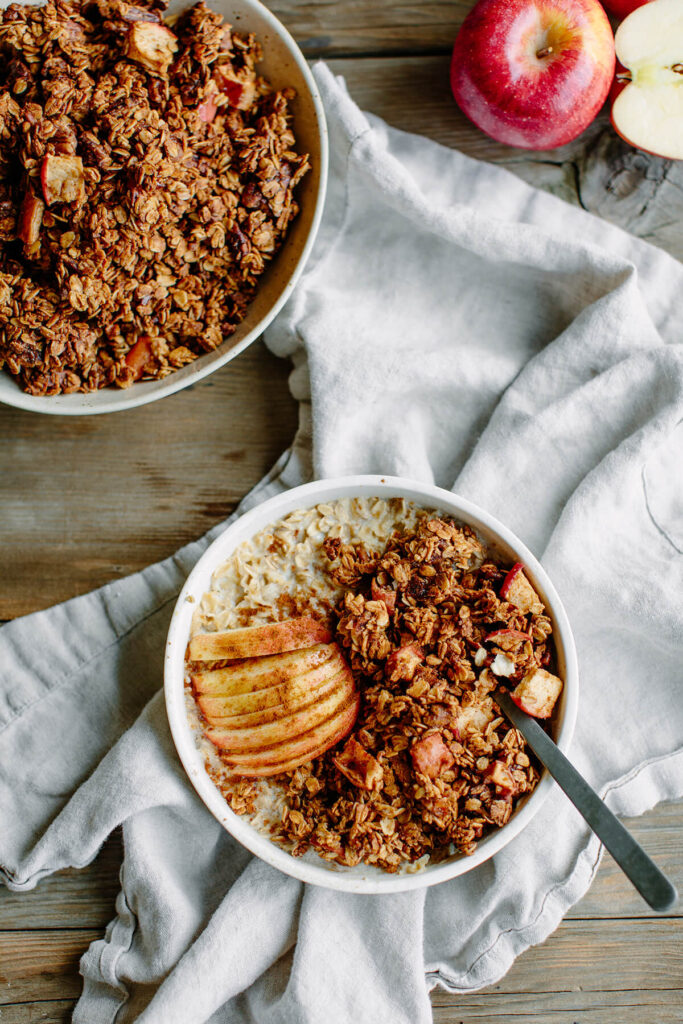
{"x":87,"y":500}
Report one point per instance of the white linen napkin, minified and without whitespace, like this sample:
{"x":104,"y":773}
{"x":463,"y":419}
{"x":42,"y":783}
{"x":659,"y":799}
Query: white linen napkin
{"x":453,"y":325}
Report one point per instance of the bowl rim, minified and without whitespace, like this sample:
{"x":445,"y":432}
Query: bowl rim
{"x":304,"y":496}
{"x":58,"y":405}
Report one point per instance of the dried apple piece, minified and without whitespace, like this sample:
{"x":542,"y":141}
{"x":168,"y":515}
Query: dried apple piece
{"x":537,"y":693}
{"x":30,"y":218}
{"x":431,"y":756}
{"x":62,"y":179}
{"x":152,"y":46}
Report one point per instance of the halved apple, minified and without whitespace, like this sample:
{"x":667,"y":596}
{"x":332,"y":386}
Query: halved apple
{"x":648,"y":109}
{"x":622,"y":8}
{"x":258,"y":641}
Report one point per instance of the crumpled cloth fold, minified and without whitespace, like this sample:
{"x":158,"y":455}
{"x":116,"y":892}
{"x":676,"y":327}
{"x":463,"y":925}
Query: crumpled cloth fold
{"x":453,"y":325}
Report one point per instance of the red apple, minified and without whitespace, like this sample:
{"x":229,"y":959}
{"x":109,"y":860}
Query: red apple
{"x":533,"y":73}
{"x":648,"y":109}
{"x":622,"y":8}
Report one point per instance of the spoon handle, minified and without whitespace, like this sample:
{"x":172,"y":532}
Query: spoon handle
{"x":653,"y":886}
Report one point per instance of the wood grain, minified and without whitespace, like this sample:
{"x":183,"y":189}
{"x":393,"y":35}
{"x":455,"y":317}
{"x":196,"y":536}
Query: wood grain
{"x":497,"y":1006}
{"x":57,"y":1011}
{"x":36,"y":965}
{"x":89,"y":499}
{"x":68,"y":899}
{"x":327,"y":28}
{"x":85,"y":898}
{"x":42,"y":965}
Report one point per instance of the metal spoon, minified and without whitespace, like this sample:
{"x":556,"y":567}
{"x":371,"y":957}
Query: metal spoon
{"x":653,"y":886}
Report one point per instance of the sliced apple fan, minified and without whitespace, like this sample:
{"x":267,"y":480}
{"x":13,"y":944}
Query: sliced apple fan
{"x":289,"y":697}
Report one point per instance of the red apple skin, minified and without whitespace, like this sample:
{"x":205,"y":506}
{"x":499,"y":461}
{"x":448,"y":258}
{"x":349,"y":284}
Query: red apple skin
{"x":518,"y":97}
{"x":622,"y":8}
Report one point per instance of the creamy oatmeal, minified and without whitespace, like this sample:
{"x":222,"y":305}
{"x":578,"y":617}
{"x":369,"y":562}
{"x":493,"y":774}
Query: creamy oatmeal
{"x":426,"y":622}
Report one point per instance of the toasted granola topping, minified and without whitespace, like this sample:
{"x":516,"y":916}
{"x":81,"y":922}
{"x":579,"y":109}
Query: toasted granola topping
{"x":147,"y":177}
{"x":431,"y":764}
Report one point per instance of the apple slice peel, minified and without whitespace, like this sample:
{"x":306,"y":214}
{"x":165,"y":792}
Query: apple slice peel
{"x":289,"y":696}
{"x":258,"y":641}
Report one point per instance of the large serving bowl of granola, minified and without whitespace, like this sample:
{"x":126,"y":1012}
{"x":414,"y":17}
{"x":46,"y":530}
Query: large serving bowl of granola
{"x":330,"y":682}
{"x":162,"y":176}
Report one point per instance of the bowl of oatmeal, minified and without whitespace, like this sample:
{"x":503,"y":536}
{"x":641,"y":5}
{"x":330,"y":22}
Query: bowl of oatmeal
{"x":330,"y":681}
{"x":162,"y":176}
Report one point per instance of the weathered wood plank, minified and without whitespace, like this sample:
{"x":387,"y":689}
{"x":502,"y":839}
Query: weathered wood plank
{"x":57,"y":1011}
{"x":487,"y":1007}
{"x":595,"y":959}
{"x":68,"y":899}
{"x":582,"y":956}
{"x":598,"y":171}
{"x":493,"y":1006}
{"x":326,"y":28}
{"x":90,"y":499}
{"x":36,"y":965}
{"x":85,"y":899}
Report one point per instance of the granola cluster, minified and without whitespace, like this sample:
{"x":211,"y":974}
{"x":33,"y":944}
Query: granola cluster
{"x":147,"y":176}
{"x":431,"y":763}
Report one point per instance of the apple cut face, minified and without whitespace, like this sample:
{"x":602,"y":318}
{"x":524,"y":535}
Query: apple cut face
{"x":648,"y":112}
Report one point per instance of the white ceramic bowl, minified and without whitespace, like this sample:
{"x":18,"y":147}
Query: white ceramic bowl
{"x":312,"y":868}
{"x":282,"y":64}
